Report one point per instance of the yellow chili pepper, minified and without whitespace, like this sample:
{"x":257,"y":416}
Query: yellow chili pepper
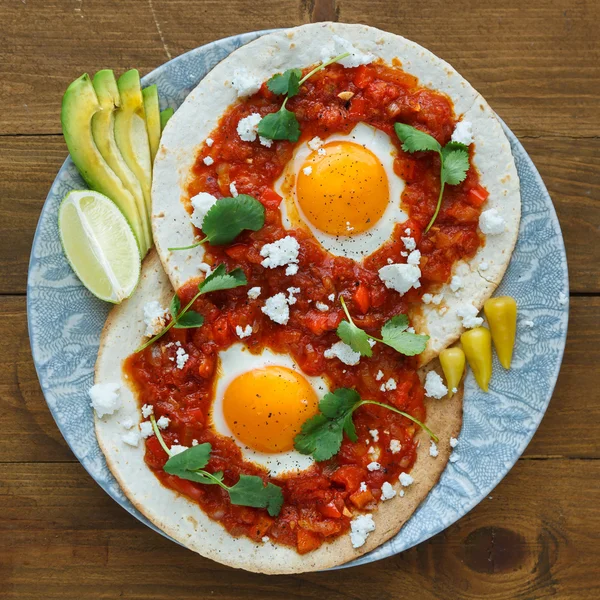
{"x":477,"y":344}
{"x":453,"y":365}
{"x":501,"y":314}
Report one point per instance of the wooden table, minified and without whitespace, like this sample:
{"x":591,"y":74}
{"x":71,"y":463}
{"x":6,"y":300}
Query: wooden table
{"x":537,"y":535}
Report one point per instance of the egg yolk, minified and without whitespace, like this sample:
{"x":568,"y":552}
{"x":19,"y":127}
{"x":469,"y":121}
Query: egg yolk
{"x":265,"y":408}
{"x":346,"y":191}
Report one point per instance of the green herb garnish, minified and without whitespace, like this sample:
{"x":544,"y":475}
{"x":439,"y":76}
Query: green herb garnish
{"x":250,"y":490}
{"x":283,"y":124}
{"x":227,"y":218}
{"x":218,"y":280}
{"x":393,"y":334}
{"x":321,"y":436}
{"x":454,"y":158}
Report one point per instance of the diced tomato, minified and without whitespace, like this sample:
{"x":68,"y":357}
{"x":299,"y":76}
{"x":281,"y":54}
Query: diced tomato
{"x":477,"y":196}
{"x":362,"y":77}
{"x":196,"y":414}
{"x":361,"y":498}
{"x":187,"y":488}
{"x":307,"y":541}
{"x":362,"y":299}
{"x":317,"y":322}
{"x":349,"y":476}
{"x":330,"y":510}
{"x":155,"y":457}
{"x":237,"y":252}
{"x":270,"y":199}
{"x":206,"y":366}
{"x":222,"y":333}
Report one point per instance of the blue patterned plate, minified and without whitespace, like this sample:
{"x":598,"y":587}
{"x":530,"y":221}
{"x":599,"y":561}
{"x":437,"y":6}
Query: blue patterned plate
{"x":65,"y":321}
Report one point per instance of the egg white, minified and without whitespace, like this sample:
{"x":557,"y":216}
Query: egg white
{"x":237,"y":360}
{"x":358,"y":246}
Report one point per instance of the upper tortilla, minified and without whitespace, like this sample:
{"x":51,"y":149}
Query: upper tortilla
{"x":301,"y":47}
{"x":183,"y":519}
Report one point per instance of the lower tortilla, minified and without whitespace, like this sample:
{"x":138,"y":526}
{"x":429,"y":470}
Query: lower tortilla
{"x":184,"y":520}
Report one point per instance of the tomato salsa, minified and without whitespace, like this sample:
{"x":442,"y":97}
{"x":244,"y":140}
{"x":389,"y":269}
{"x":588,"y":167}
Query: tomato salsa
{"x":319,"y":501}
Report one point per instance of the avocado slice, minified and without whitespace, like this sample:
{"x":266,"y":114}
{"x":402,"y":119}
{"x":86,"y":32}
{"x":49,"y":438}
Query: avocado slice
{"x":152,"y":110}
{"x":165,"y":115}
{"x":105,"y":85}
{"x":79,"y":105}
{"x":131,"y":134}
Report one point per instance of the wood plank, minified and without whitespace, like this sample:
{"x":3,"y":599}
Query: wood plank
{"x":535,"y":62}
{"x":29,"y":165}
{"x":64,"y":538}
{"x":25,"y":417}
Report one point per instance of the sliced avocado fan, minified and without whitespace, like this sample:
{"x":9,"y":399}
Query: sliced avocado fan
{"x":165,"y":115}
{"x":131,"y":134}
{"x":80,"y":104}
{"x":152,"y":109}
{"x":107,"y":92}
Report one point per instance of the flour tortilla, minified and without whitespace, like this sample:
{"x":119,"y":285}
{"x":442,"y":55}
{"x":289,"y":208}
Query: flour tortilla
{"x":301,"y":47}
{"x":182,"y":519}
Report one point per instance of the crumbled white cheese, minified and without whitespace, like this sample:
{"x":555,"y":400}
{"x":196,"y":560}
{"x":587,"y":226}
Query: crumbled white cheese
{"x":307,"y":170}
{"x":322,"y":306}
{"x":344,"y":352}
{"x":434,"y":386}
{"x":400,"y":277}
{"x":254,"y":293}
{"x":405,"y":254}
{"x":406,"y":479}
{"x":409,"y":243}
{"x":468,"y":314}
{"x":315,"y":143}
{"x":182,"y":358}
{"x":528,"y":323}
{"x":407,"y":231}
{"x":390,"y":261}
{"x":244,"y":83}
{"x":208,"y":161}
{"x":163,"y":422}
{"x":484,"y":266}
{"x":453,"y":457}
{"x":331,"y":297}
{"x":146,"y":429}
{"x":443,"y":310}
{"x":131,"y":438}
{"x":201,"y":203}
{"x":243,"y":332}
{"x":401,"y":494}
{"x":491,"y":222}
{"x":414,"y":258}
{"x":454,"y":390}
{"x":177,"y":449}
{"x":233,"y":190}
{"x":463,"y":133}
{"x":427,"y":298}
{"x":209,"y":142}
{"x":433,"y":449}
{"x":194,"y":442}
{"x":291,"y":298}
{"x":154,"y":317}
{"x":374,"y":433}
{"x":147,"y":410}
{"x":247,"y":127}
{"x":374,"y":466}
{"x":395,"y":446}
{"x":360,"y":527}
{"x":456,"y":283}
{"x":265,"y":538}
{"x":277,"y":309}
{"x":373,"y":452}
{"x":280,"y":253}
{"x":453,"y":442}
{"x":128,"y":423}
{"x":410,"y":330}
{"x":339,"y":45}
{"x":371,"y":342}
{"x":379,"y":375}
{"x":205,"y":268}
{"x":321,"y":152}
{"x":266,"y":142}
{"x":291,"y":269}
{"x":387,"y":491}
{"x":437,"y":299}
{"x":105,"y":398}
{"x":390,"y":384}
{"x":562,"y":298}
{"x":363,"y":486}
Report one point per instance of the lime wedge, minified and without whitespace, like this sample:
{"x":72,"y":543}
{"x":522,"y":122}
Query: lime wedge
{"x":99,"y":244}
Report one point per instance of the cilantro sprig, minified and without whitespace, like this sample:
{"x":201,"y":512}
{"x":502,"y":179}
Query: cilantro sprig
{"x":393,"y":334}
{"x":248,"y":491}
{"x":321,"y":436}
{"x":283,"y":124}
{"x":185,"y":318}
{"x":454,"y":158}
{"x":227,"y":218}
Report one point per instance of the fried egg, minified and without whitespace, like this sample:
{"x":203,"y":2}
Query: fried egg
{"x":345,"y":191}
{"x":261,"y":401}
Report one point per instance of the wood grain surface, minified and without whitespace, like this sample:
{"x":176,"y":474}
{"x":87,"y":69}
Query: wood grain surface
{"x":536,"y":536}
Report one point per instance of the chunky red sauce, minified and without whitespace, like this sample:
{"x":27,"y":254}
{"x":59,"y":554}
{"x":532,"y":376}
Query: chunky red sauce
{"x":317,"y":501}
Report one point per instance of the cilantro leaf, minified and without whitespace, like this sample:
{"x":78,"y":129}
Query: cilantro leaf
{"x":455,"y":163}
{"x":175,"y":306}
{"x":189,"y":320}
{"x":394,"y":335}
{"x":251,"y":491}
{"x":230,"y":216}
{"x":281,"y":125}
{"x":286,"y":83}
{"x":336,"y":404}
{"x":219,"y":279}
{"x":355,"y":337}
{"x":191,"y":459}
{"x":415,"y":140}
